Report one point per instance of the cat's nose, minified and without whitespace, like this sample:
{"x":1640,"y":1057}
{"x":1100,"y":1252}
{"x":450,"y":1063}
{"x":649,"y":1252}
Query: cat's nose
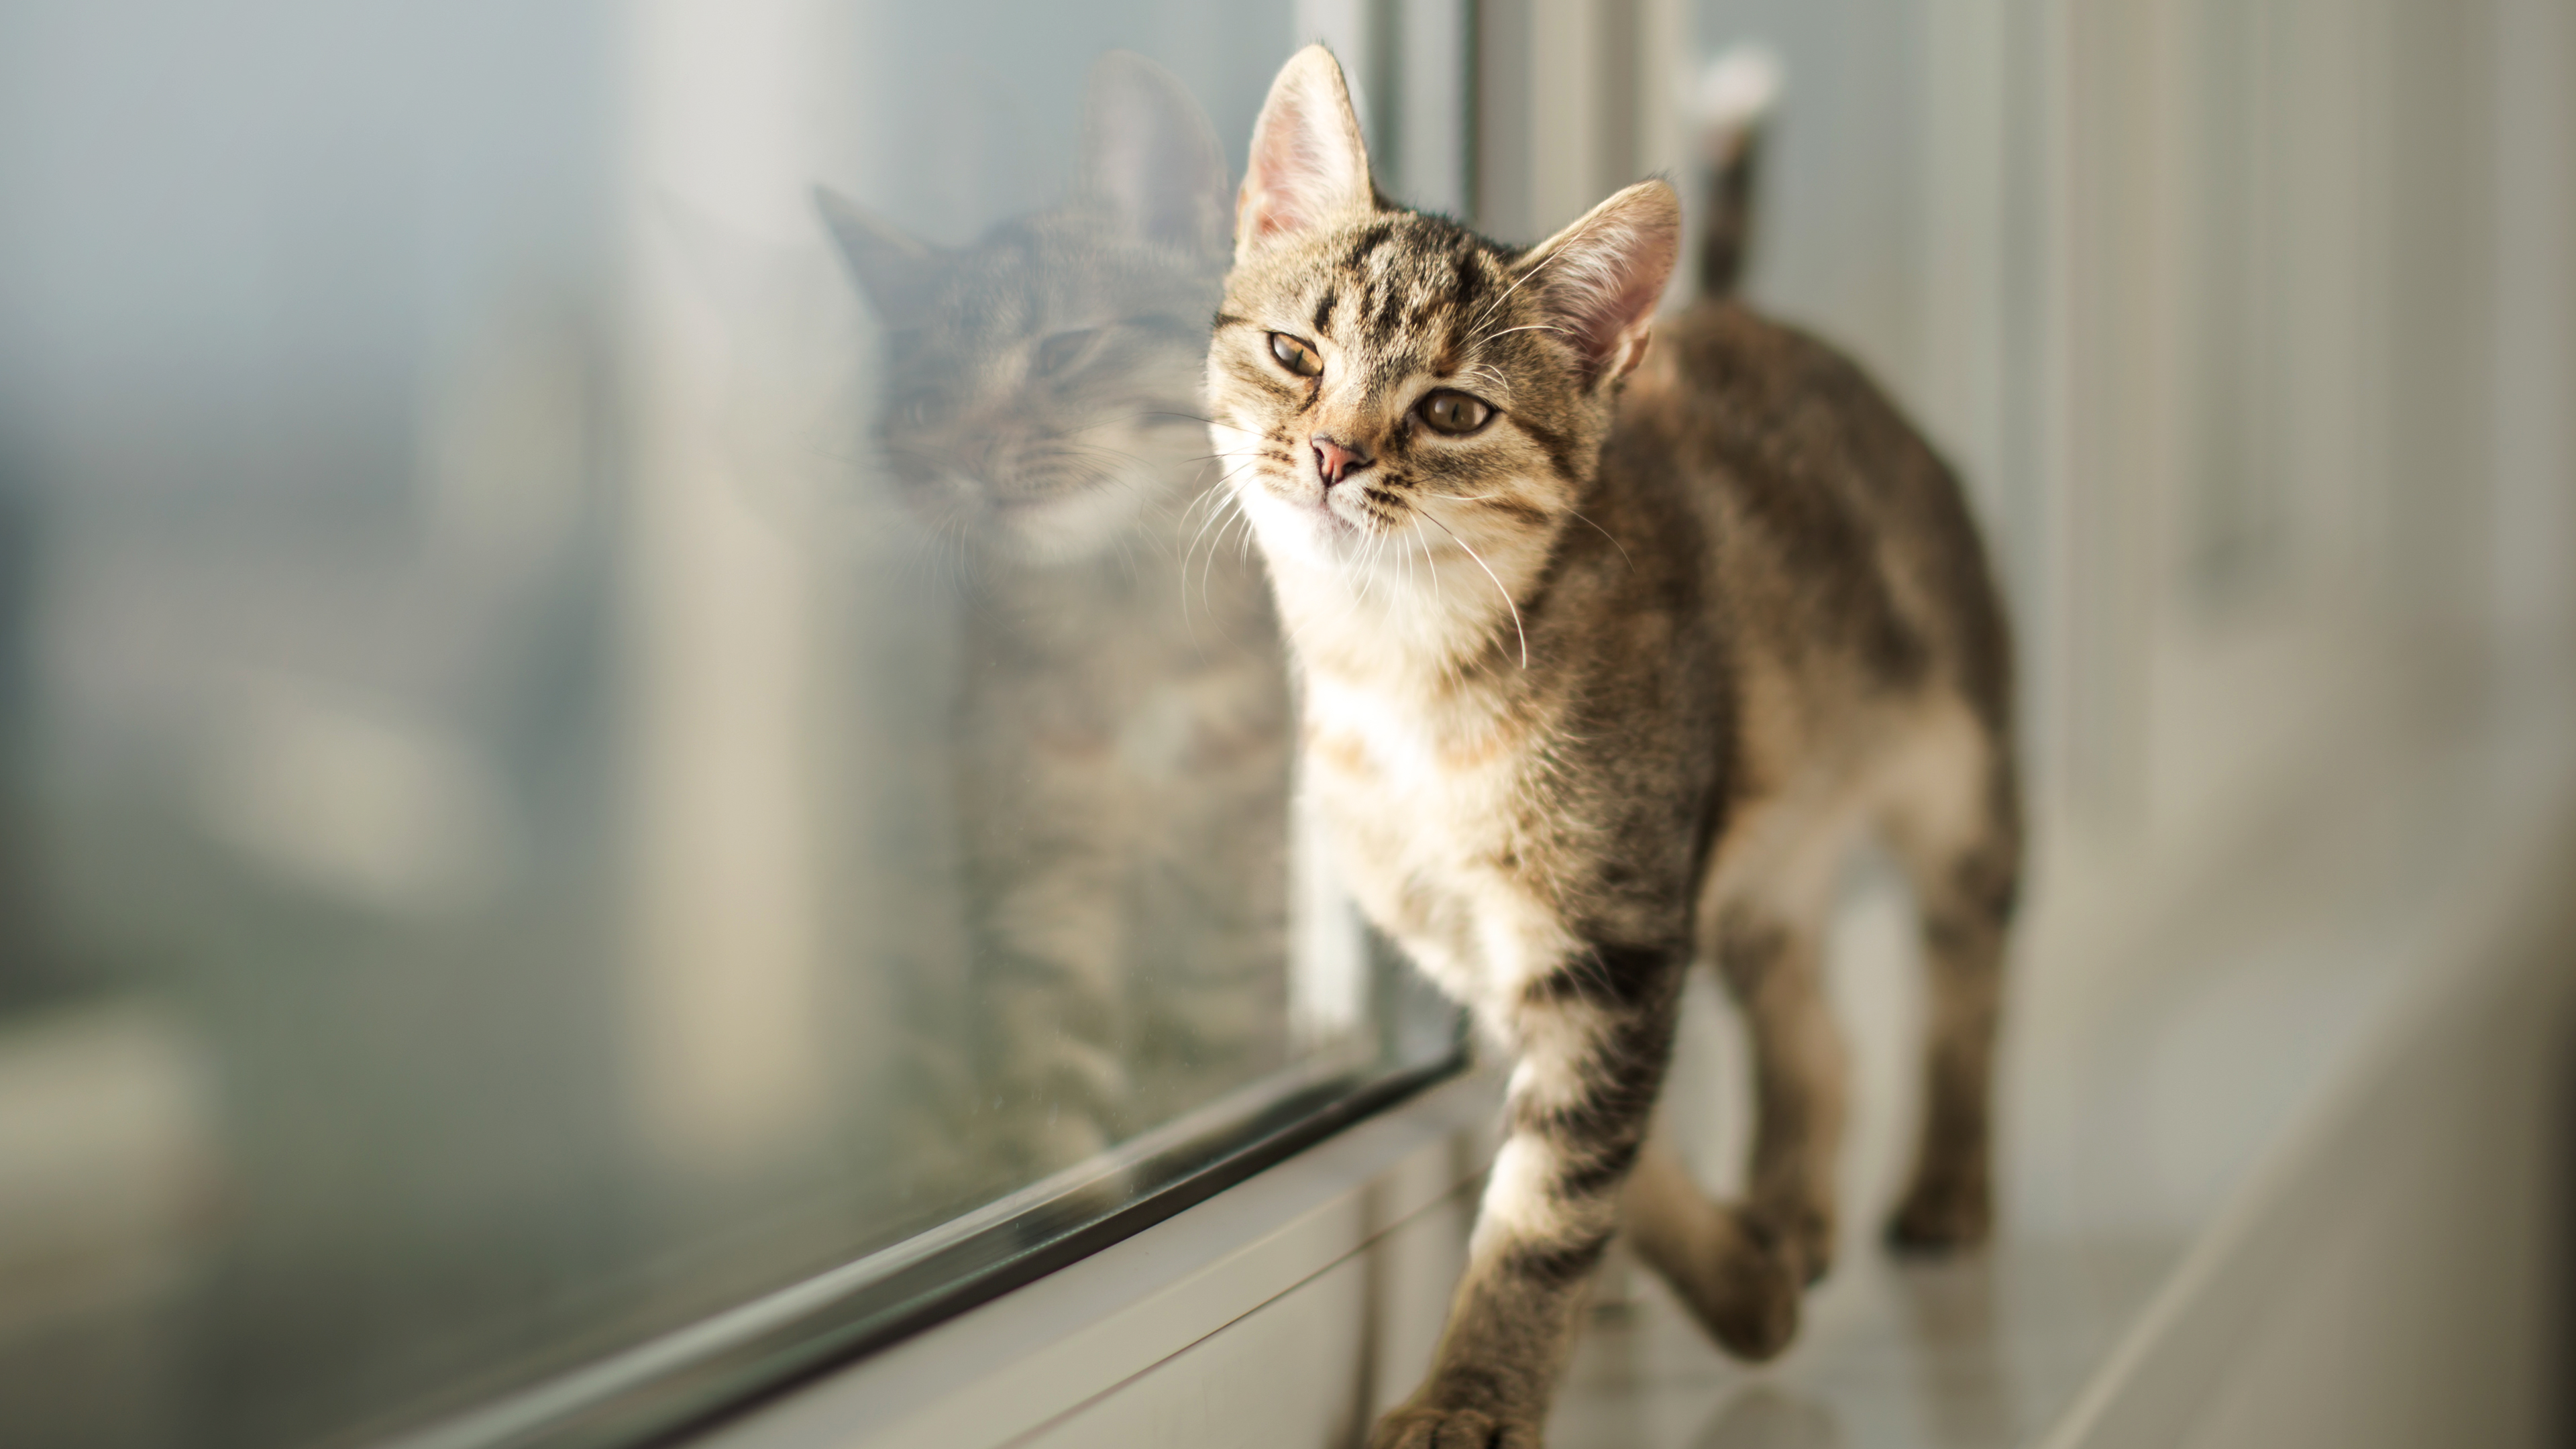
{"x":1337,"y":461}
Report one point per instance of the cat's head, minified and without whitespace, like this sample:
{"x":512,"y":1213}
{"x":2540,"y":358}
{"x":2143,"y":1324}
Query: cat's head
{"x":1042,"y":386}
{"x":1388,"y":386}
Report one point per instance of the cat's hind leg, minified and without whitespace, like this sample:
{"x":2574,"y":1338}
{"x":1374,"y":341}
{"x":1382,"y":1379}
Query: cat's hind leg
{"x":1957,"y":828}
{"x":1729,"y":1270}
{"x":1742,"y":1266}
{"x":1771,"y":958}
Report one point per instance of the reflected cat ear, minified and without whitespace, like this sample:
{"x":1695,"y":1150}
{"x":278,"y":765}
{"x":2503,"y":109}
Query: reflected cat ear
{"x":895,"y":270}
{"x":1600,"y":278}
{"x":1309,"y":162}
{"x":1149,"y":151}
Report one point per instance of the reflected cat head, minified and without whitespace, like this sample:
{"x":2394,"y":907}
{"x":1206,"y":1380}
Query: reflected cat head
{"x":1044,"y":382}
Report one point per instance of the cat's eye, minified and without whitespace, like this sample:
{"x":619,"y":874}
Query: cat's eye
{"x":1296,"y":355}
{"x":1062,"y":350}
{"x":1454,"y":413}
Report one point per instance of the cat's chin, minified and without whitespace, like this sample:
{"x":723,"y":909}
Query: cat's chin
{"x":1308,"y":533}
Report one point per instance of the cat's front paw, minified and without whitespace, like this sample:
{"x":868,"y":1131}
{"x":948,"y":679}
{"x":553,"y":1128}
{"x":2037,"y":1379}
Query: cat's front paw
{"x":1422,"y":1427}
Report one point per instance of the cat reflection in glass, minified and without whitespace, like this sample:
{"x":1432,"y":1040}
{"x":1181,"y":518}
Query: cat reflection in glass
{"x":1120,"y":743}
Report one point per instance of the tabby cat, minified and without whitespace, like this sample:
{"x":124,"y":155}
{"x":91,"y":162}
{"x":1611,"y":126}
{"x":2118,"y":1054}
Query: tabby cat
{"x":1120,"y":735}
{"x":1612,"y":635}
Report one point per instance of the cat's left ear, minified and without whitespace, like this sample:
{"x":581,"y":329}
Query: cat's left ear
{"x":1309,"y":163}
{"x":892,"y":267}
{"x":1601,"y":277}
{"x":1149,"y":151}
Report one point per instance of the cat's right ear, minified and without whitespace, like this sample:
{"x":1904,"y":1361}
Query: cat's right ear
{"x":1600,"y":278}
{"x":1309,"y":163}
{"x":894,"y":270}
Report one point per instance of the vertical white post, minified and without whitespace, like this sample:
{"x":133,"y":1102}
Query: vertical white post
{"x":727,"y":1067}
{"x":2535,"y":312}
{"x":1433,"y":138}
{"x":1666,"y":68}
{"x":1967,"y":251}
{"x":1563,"y":114}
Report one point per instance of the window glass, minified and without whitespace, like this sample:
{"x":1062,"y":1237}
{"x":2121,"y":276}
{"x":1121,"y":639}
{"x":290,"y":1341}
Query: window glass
{"x":621,"y":694}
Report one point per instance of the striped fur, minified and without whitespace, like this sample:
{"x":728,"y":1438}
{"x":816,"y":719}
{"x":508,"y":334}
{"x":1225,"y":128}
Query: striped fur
{"x":1603,"y":685}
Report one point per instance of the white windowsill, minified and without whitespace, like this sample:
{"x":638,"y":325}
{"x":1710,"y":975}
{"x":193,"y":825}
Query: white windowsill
{"x":2188,"y":1055}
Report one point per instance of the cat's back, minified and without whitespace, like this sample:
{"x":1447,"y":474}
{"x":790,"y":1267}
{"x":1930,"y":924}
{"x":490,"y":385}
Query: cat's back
{"x":1836,"y":535}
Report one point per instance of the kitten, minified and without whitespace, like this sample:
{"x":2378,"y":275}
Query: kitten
{"x":1121,"y":755}
{"x":1612,"y":634}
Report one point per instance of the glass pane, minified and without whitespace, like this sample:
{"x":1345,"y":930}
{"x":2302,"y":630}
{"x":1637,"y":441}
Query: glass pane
{"x":589,"y":732}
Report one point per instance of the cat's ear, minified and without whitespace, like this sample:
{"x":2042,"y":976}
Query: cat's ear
{"x":894,"y":270}
{"x":1309,"y":163}
{"x":1148,"y":150}
{"x":1600,"y":278}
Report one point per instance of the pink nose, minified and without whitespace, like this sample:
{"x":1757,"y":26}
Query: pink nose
{"x":1335,"y":462}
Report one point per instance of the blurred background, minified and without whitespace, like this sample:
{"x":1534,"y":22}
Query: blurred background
{"x":511,"y":801}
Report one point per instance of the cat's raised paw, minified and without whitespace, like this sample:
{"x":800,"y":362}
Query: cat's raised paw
{"x":1413,"y":1427}
{"x":1751,"y":1304}
{"x":1942,"y":1214}
{"x":1740,"y":1278}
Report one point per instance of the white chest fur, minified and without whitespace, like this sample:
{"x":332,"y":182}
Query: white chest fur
{"x":1435,"y":830}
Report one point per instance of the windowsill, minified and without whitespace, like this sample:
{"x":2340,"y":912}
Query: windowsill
{"x":2188,"y":1058}
{"x":1012,"y":1365}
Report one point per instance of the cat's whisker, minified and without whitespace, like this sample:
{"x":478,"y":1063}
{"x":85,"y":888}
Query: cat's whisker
{"x":1430,"y":565}
{"x":916,"y":551}
{"x":1564,"y":249}
{"x":924,"y":560}
{"x":1491,"y":307}
{"x":1207,"y":494}
{"x":1498,"y":583}
{"x":962,"y":543}
{"x":1364,"y":575}
{"x":1244,"y":540}
{"x":934,"y":555}
{"x":1217,"y":515}
{"x":930,"y":552}
{"x":1224,"y":496}
{"x":1614,"y":543}
{"x":1207,"y":574}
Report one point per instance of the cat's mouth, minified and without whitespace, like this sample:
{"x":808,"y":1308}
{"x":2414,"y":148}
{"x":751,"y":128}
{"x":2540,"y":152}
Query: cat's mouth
{"x":1311,"y":523}
{"x":1316,"y":511}
{"x":1330,"y":520}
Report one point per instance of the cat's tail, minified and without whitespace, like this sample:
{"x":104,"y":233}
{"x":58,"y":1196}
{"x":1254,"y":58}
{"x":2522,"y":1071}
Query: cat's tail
{"x":1732,"y":105}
